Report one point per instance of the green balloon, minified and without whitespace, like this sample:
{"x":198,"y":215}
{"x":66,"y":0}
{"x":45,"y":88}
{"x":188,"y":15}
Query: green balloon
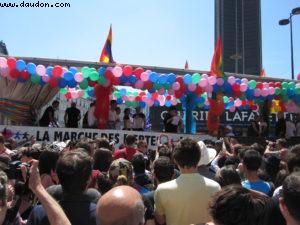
{"x":84,"y":84}
{"x":283,"y":92}
{"x":291,"y":85}
{"x":85,"y":71}
{"x":252,"y":84}
{"x":284,"y":85}
{"x":35,"y":79}
{"x":94,"y":76}
{"x":167,"y":86}
{"x":277,"y":91}
{"x":128,"y":103}
{"x":135,"y":93}
{"x":225,"y":99}
{"x":63,"y":91}
{"x":196,"y":78}
{"x":297,"y":90}
{"x":157,"y":86}
{"x":101,"y":80}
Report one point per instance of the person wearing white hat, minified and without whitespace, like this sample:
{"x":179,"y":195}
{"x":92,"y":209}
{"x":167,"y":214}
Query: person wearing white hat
{"x":207,"y":156}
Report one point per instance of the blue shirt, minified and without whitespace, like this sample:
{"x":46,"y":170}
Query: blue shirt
{"x":260,"y":186}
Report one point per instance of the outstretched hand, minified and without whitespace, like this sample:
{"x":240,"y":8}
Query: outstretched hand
{"x":34,"y":178}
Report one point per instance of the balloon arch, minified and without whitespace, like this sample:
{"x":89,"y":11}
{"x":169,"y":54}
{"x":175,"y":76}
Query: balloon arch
{"x":156,"y":89}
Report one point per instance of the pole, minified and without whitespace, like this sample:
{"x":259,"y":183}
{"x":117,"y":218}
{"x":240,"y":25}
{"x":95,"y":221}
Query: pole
{"x":292,"y":46}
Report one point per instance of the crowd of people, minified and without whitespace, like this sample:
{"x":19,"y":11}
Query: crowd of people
{"x":189,"y":182}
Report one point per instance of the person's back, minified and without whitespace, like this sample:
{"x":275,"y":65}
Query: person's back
{"x":73,"y":116}
{"x":185,"y":200}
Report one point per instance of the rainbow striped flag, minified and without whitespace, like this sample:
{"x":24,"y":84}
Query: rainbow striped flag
{"x":216,"y":63}
{"x":106,"y":54}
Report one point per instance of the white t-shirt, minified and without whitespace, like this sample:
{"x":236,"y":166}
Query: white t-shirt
{"x":91,"y":117}
{"x":112,"y":115}
{"x":175,"y":120}
{"x":290,"y":129}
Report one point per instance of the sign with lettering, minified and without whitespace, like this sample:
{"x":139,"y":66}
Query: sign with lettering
{"x":45,"y":134}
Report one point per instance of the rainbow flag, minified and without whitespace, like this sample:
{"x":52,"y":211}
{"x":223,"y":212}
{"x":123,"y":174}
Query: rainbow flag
{"x":216,"y":63}
{"x":106,"y":54}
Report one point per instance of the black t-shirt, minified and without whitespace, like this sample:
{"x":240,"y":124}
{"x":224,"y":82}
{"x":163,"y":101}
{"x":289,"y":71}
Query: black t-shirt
{"x":73,"y":115}
{"x":169,"y":127}
{"x":45,"y":120}
{"x":251,"y":132}
{"x":280,"y":128}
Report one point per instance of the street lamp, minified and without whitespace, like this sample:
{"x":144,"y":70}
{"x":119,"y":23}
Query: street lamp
{"x":283,"y":22}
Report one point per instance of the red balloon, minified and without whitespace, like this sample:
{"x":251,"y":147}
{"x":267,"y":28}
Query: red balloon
{"x":92,"y":83}
{"x":138,"y":71}
{"x":198,"y":90}
{"x":259,"y":85}
{"x":148,"y":85}
{"x":25,"y":75}
{"x":108,"y":74}
{"x":180,"y":80}
{"x":57,"y":71}
{"x":236,"y":87}
{"x":142,"y":93}
{"x":14,"y":73}
{"x":168,"y":98}
{"x":278,"y":84}
{"x":11,"y":62}
{"x":127,"y":70}
{"x":154,"y":96}
{"x":271,"y":84}
{"x":115,"y":80}
{"x":138,"y":98}
{"x":68,"y":95}
{"x":254,"y":107}
{"x":53,"y":82}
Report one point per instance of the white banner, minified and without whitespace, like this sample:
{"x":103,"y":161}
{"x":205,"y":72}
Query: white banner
{"x":45,"y":134}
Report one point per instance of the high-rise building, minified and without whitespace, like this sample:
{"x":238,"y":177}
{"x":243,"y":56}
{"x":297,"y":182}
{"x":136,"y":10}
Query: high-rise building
{"x":238,"y":23}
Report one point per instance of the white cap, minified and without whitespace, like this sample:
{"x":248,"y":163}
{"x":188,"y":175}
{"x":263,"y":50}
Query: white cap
{"x":207,"y":154}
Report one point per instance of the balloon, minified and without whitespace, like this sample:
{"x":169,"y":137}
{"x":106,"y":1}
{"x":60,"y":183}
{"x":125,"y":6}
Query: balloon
{"x":297,"y":90}
{"x":257,"y":92}
{"x":153,"y":77}
{"x":243,"y":87}
{"x":35,"y":79}
{"x":57,"y":71}
{"x":127,"y":70}
{"x":3,"y":62}
{"x":265,"y":92}
{"x":31,"y":68}
{"x":271,"y":91}
{"x":252,"y":84}
{"x":94,"y":76}
{"x":196,"y":78}
{"x":237,"y":103}
{"x":245,"y":80}
{"x":85,"y":71}
{"x":63,"y":91}
{"x":203,"y":83}
{"x":4,"y":72}
{"x":20,"y":65}
{"x":192,"y":87}
{"x":45,"y":78}
{"x":291,"y":85}
{"x":298,"y":76}
{"x":62,"y":83}
{"x":144,"y":76}
{"x":232,"y":109}
{"x":176,"y":86}
{"x":174,"y":101}
{"x":212,"y":80}
{"x":231,"y":80}
{"x":220,"y":81}
{"x":11,"y":62}
{"x":139,"y":84}
{"x":73,"y":70}
{"x":138,"y":71}
{"x":277,"y":91}
{"x":40,"y":70}
{"x":187,"y":79}
{"x":117,"y":71}
{"x":49,"y":71}
{"x":68,"y":76}
{"x":171,"y":78}
{"x":284,"y":84}
{"x":78,"y":77}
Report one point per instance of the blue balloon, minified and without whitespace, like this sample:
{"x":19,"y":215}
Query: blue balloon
{"x":238,"y":80}
{"x":123,"y":79}
{"x":171,"y":78}
{"x":20,"y":65}
{"x":163,"y":79}
{"x":72,"y":83}
{"x":119,"y":101}
{"x":142,"y":104}
{"x":187,"y":79}
{"x":42,"y":83}
{"x":31,"y":68}
{"x":68,"y":76}
{"x":290,"y":92}
{"x":49,"y":70}
{"x":101,"y":71}
{"x":73,"y":70}
{"x":156,"y":103}
{"x":153,"y":77}
{"x":123,"y":91}
{"x":132,"y":79}
{"x":216,"y":88}
{"x":91,"y":92}
{"x":168,"y":103}
{"x":152,"y":90}
{"x":62,"y":83}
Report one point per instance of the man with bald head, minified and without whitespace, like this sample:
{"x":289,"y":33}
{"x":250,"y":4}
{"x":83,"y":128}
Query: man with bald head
{"x":121,"y":205}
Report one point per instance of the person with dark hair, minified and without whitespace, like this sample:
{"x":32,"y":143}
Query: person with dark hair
{"x":127,"y":119}
{"x":227,"y":175}
{"x":102,"y":159}
{"x":235,"y":205}
{"x":172,"y":121}
{"x":164,"y":150}
{"x":48,"y":117}
{"x":4,"y":151}
{"x":112,"y":115}
{"x":251,"y":162}
{"x":130,"y":149}
{"x":253,"y":129}
{"x":280,"y":125}
{"x":103,"y":143}
{"x":47,"y":168}
{"x":139,"y":169}
{"x":28,"y":154}
{"x":86,"y":147}
{"x":139,"y":120}
{"x":189,"y":194}
{"x":289,"y":202}
{"x":91,"y":118}
{"x":72,"y":116}
{"x":74,"y":170}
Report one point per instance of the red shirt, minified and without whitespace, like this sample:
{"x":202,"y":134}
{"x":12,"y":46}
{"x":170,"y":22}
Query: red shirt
{"x":125,"y":153}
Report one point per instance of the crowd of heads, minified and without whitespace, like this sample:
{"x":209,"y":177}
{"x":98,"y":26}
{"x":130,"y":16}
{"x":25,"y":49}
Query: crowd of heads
{"x":116,"y":180}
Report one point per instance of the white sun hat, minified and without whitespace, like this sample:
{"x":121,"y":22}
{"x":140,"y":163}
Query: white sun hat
{"x":207,"y":154}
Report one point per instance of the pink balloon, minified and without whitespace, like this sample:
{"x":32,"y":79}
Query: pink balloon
{"x":220,"y":81}
{"x":139,"y":84}
{"x":150,"y":102}
{"x":3,"y":62}
{"x":40,"y":70}
{"x":74,"y":94}
{"x":257,"y":92}
{"x":265,"y":85}
{"x":117,"y":71}
{"x":209,"y":89}
{"x":204,"y":76}
{"x":192,"y":87}
{"x":78,"y":77}
{"x":245,"y":80}
{"x":243,"y":87}
{"x":176,"y":86}
{"x":203,"y":82}
{"x":271,"y":91}
{"x":237,"y":103}
{"x":144,"y":76}
{"x":80,"y":93}
{"x":265,"y":92}
{"x":212,"y":80}
{"x":231,"y":80}
{"x":4,"y":72}
{"x":161,"y":98}
{"x":45,"y":78}
{"x":232,"y":109}
{"x":174,"y":101}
